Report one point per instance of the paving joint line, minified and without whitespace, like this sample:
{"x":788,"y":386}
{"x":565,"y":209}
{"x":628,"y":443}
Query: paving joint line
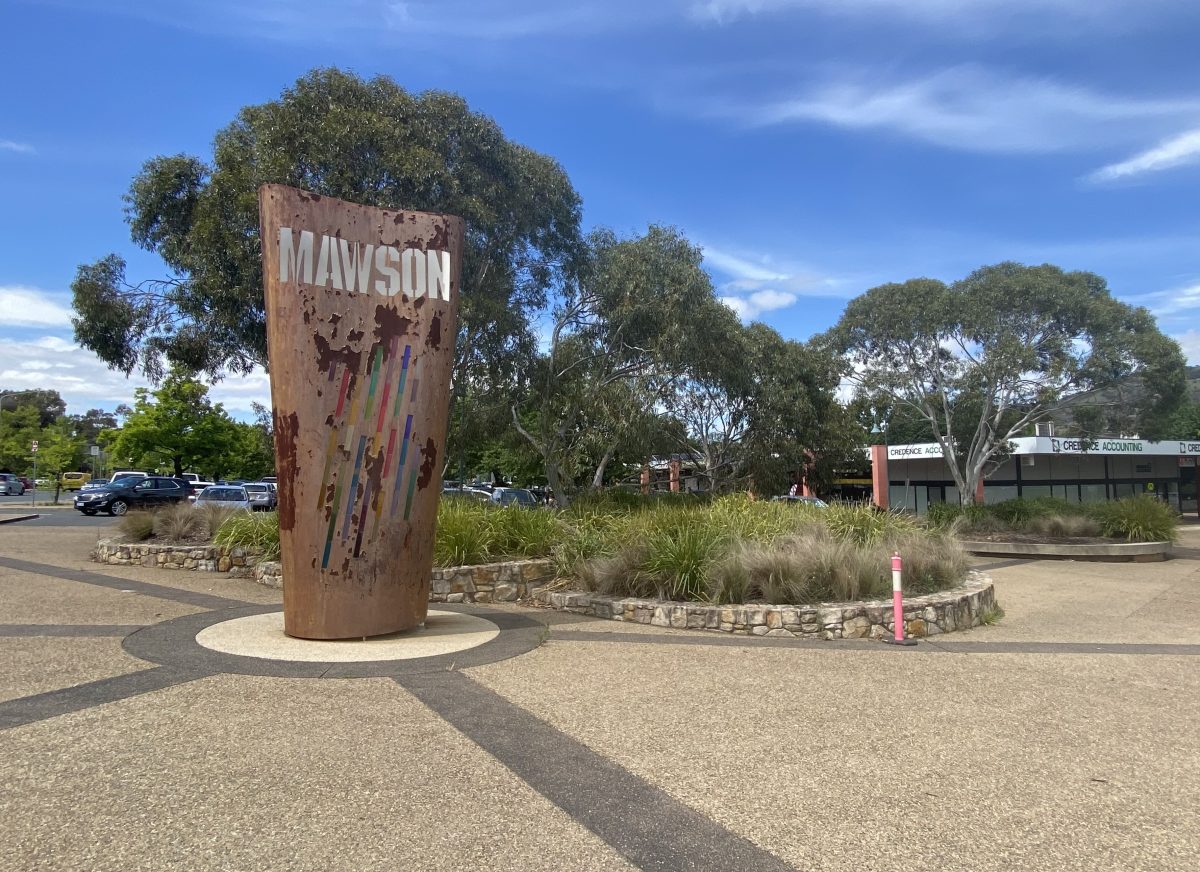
{"x":67,"y":630}
{"x":43,"y":706}
{"x":638,"y":820}
{"x":145,"y":588}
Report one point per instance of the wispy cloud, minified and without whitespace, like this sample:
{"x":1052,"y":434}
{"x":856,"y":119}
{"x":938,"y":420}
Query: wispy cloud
{"x":940,"y":12}
{"x":84,"y":381}
{"x":1173,"y":152}
{"x":1167,"y":304}
{"x":17,"y":147}
{"x":1189,"y":341}
{"x":31,"y":307}
{"x":750,"y":307}
{"x":753,"y":284}
{"x":970,"y":107}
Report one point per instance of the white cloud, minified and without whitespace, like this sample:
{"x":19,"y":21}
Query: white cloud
{"x":1190,"y":342}
{"x":754,"y":284}
{"x":750,"y":307}
{"x":1173,"y":152}
{"x":84,"y":381}
{"x":31,"y":307}
{"x":18,"y":147}
{"x":1165,"y":304}
{"x":972,"y":108}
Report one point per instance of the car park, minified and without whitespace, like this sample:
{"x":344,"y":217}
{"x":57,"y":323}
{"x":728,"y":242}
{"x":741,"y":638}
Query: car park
{"x":10,"y":485}
{"x":263,"y":497}
{"x":231,"y":496}
{"x":118,"y":497}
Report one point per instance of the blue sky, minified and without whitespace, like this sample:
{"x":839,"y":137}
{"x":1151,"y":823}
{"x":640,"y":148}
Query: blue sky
{"x":814,"y":148}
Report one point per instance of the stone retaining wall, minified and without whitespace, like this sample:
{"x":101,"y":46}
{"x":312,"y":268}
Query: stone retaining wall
{"x":200,"y":558}
{"x":1107,"y":552}
{"x":488,"y":583}
{"x":942,"y":612}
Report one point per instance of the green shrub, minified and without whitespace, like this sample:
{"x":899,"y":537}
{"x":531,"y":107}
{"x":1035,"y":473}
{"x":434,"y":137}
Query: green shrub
{"x":1064,"y":526}
{"x":464,"y":535}
{"x":255,"y":530}
{"x":517,"y":532}
{"x":1137,"y":519}
{"x":678,"y":557}
{"x":136,"y":526}
{"x":942,"y":515}
{"x":745,"y":552}
{"x":179,"y":522}
{"x":213,"y":515}
{"x":977,"y":520}
{"x":862,"y":523}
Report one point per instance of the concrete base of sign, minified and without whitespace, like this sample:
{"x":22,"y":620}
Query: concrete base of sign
{"x":262,"y":636}
{"x":1132,"y":552}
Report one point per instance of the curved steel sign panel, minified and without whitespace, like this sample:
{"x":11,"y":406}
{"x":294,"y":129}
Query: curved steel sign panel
{"x":362,"y":307}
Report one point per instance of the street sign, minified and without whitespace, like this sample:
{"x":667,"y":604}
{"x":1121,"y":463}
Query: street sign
{"x":95,"y":451}
{"x":33,"y":447}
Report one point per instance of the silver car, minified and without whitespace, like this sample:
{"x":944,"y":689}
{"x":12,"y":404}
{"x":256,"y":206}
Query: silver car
{"x":10,"y":485}
{"x":262,"y":495}
{"x":232,"y":496}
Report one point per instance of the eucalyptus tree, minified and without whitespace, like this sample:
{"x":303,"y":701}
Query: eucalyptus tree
{"x":332,"y":133}
{"x":639,"y":314}
{"x":986,"y":357}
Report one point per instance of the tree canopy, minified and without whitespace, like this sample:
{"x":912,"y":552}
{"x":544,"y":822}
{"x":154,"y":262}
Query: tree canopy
{"x":177,"y":426}
{"x":986,"y":357}
{"x":332,"y":133}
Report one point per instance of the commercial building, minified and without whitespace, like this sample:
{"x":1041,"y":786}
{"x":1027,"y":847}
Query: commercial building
{"x":911,"y":477}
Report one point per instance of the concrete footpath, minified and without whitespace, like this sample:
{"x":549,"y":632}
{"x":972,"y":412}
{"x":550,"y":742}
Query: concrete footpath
{"x":1065,"y":737}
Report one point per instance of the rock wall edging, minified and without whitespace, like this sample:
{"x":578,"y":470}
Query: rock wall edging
{"x":932,"y":614}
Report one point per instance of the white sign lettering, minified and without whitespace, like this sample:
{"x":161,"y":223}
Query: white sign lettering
{"x":362,"y":268}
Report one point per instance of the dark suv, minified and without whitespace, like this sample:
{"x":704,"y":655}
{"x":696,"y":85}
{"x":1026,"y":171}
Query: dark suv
{"x":118,"y":497}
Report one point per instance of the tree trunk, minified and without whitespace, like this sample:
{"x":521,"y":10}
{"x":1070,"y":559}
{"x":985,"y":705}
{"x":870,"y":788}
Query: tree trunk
{"x":598,"y":478}
{"x":561,"y":499}
{"x":177,"y":461}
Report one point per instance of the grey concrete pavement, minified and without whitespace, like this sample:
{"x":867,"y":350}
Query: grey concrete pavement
{"x":611,"y":746}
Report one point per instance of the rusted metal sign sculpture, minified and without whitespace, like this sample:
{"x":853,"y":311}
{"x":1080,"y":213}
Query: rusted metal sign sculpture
{"x":362,"y":308}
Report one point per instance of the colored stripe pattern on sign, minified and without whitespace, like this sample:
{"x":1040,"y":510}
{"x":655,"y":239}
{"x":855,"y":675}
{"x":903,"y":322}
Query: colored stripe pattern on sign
{"x":363,"y":474}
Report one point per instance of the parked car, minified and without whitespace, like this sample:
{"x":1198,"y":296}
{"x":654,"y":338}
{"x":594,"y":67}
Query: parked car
{"x":197,"y":487}
{"x":467,"y":493}
{"x":514,"y":496}
{"x":128,"y":473}
{"x":127,"y":477}
{"x":10,"y":485}
{"x":118,"y":497}
{"x":232,"y":496}
{"x":263,"y":496}
{"x":29,"y":485}
{"x":814,"y":502}
{"x":74,"y":480}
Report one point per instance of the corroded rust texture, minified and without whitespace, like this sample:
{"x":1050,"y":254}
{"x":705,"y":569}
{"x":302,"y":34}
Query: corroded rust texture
{"x":362,"y":308}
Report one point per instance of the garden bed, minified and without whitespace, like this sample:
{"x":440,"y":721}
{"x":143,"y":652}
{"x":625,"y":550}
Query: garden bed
{"x":958,"y":608}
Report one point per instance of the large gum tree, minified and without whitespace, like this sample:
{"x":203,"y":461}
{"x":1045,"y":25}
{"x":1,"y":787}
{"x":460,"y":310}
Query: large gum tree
{"x":983,"y":359}
{"x":367,"y":141}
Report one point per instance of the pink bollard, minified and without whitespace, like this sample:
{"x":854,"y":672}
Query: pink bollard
{"x":898,"y":603}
